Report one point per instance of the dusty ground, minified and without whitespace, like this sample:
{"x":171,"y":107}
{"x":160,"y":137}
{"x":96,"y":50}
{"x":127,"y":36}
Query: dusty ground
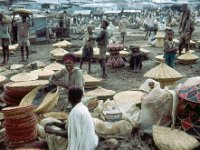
{"x":119,"y":79}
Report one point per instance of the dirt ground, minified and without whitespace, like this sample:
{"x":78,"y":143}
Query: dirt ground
{"x":119,"y":79}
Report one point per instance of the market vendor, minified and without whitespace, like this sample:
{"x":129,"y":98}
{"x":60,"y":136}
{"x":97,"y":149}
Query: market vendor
{"x":136,"y":58}
{"x":68,"y":76}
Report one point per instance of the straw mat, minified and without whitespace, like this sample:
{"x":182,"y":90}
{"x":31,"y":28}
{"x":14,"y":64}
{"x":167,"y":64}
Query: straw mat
{"x":173,"y":139}
{"x":49,"y":101}
{"x":55,"y":66}
{"x":126,"y":99}
{"x":56,"y":115}
{"x":43,"y":73}
{"x":163,"y":72}
{"x":24,"y":76}
{"x":101,"y":93}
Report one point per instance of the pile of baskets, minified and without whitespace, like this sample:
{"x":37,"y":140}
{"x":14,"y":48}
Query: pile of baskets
{"x":20,"y":125}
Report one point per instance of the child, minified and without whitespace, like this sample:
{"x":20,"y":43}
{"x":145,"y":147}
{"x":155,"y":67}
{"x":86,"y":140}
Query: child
{"x":5,"y":39}
{"x":102,"y":40}
{"x":88,"y":48}
{"x":136,"y":58}
{"x":23,"y":36}
{"x":169,"y":49}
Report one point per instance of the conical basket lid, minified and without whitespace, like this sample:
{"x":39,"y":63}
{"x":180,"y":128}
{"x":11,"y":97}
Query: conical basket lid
{"x":90,"y":79}
{"x":163,"y":72}
{"x":60,"y":54}
{"x":55,"y":66}
{"x":24,"y":76}
{"x":101,"y":92}
{"x":57,"y":50}
{"x":188,"y":56}
{"x":2,"y":79}
{"x":16,"y":66}
{"x":67,"y":43}
{"x":159,"y":35}
{"x":166,"y":138}
{"x":126,"y":99}
{"x":43,"y":72}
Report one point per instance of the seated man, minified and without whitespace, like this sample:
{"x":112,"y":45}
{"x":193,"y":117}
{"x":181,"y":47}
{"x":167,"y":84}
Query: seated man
{"x":136,"y":58}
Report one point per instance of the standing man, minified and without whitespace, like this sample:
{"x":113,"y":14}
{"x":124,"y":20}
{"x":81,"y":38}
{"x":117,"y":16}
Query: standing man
{"x":102,"y":41}
{"x":23,"y":35}
{"x":5,"y":39}
{"x":122,"y":27}
{"x":186,"y":28}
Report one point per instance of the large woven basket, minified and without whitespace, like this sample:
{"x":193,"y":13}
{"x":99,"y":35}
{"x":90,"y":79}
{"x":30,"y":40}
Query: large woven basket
{"x":187,"y":58}
{"x":49,"y":101}
{"x":127,"y":99}
{"x":173,"y":139}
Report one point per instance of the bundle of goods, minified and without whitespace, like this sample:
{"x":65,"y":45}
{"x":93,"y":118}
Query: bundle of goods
{"x":112,"y":48}
{"x":24,"y":76}
{"x":15,"y":91}
{"x":43,"y":73}
{"x":126,"y":99}
{"x":115,"y":62}
{"x":20,"y":125}
{"x":44,"y":98}
{"x":187,"y":58}
{"x":58,"y":53}
{"x":63,"y":44}
{"x":101,"y":93}
{"x":55,"y":66}
{"x":188,"y":109}
{"x":90,"y":81}
{"x":172,"y":139}
{"x":164,"y":74}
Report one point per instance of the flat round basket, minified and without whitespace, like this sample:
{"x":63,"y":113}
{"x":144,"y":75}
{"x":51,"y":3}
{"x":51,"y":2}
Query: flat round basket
{"x":55,"y":66}
{"x":126,"y":99}
{"x":43,"y":73}
{"x":56,"y":115}
{"x":48,"y":102}
{"x":24,"y":77}
{"x":22,"y":11}
{"x":101,"y":93}
{"x":173,"y":139}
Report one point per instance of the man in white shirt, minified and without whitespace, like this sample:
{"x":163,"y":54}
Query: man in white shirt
{"x":122,"y":27}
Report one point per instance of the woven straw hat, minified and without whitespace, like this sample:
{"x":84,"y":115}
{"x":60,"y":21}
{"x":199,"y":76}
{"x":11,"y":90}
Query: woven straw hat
{"x":40,"y":64}
{"x":2,"y":79}
{"x":49,"y":101}
{"x":163,"y":72}
{"x":24,"y":76}
{"x":173,"y":139}
{"x":43,"y":73}
{"x":56,"y":115}
{"x":188,"y":58}
{"x":101,"y":93}
{"x":16,"y":66}
{"x":159,"y":35}
{"x":55,"y":66}
{"x":26,"y":84}
{"x":126,"y":99}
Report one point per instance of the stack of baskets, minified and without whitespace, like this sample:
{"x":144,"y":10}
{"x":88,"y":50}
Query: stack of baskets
{"x":20,"y":124}
{"x":15,"y":91}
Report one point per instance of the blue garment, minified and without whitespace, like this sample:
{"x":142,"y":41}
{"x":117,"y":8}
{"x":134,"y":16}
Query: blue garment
{"x":170,"y":59}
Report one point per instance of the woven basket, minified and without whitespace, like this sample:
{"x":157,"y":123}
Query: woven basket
{"x":47,"y":104}
{"x":24,"y":77}
{"x":30,"y":85}
{"x":173,"y":139}
{"x":187,"y":58}
{"x":101,"y":93}
{"x":126,"y":99}
{"x":22,"y":11}
{"x":43,"y":73}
